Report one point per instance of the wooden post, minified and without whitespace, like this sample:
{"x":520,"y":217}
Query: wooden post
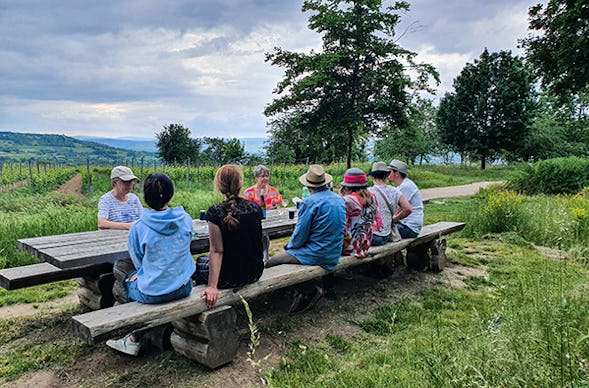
{"x":89,"y":178}
{"x":32,"y":183}
{"x":209,"y":338}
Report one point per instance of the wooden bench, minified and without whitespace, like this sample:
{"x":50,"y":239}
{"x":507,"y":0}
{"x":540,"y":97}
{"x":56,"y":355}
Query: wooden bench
{"x":210,"y":336}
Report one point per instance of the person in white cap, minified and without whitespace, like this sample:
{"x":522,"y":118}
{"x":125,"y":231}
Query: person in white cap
{"x":411,"y":225}
{"x":119,"y":208}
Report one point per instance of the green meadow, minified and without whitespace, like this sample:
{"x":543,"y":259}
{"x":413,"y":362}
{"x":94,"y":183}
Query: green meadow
{"x":517,"y":317}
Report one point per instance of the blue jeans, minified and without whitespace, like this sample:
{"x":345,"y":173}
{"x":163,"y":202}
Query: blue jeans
{"x":133,"y":293}
{"x":405,"y":232}
{"x":380,"y":240}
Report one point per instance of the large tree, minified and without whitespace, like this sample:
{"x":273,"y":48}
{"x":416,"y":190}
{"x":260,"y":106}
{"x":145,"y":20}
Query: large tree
{"x":418,"y":140}
{"x":175,"y":145}
{"x":357,"y":85}
{"x":558,"y":48}
{"x":491,"y":107}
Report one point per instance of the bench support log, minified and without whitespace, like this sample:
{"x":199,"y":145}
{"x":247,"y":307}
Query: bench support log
{"x":209,"y":338}
{"x":95,"y":292}
{"x":431,"y":255}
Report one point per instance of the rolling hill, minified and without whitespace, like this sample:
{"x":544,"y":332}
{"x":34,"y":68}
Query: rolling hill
{"x":65,"y":150}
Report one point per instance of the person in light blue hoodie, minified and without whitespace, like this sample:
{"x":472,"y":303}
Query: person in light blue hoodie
{"x":159,"y":246}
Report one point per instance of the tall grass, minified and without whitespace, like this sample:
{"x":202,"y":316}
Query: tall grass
{"x":524,"y":324}
{"x":560,"y":221}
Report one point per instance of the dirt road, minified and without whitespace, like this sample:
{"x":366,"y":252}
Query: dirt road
{"x":454,"y":191}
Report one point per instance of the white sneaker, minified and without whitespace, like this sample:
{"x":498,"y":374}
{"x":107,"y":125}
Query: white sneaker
{"x":125,"y":345}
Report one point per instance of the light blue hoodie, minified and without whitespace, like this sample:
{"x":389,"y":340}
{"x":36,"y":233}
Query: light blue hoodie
{"x":159,"y":245}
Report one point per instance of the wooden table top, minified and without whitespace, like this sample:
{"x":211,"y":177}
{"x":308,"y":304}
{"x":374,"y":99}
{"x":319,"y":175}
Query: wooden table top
{"x":106,"y":246}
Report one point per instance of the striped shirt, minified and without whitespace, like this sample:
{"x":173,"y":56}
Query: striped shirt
{"x":114,"y":210}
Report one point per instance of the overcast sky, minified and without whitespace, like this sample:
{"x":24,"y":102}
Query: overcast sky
{"x":126,"y":68}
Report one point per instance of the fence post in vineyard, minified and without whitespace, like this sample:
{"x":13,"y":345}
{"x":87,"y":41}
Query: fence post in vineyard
{"x":141,"y":170}
{"x":38,"y":168}
{"x":1,"y":164}
{"x":188,"y":172}
{"x":31,"y":177}
{"x":89,"y":178}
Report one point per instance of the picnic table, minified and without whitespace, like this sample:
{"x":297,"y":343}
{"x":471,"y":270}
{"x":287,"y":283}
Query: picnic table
{"x":88,"y":257}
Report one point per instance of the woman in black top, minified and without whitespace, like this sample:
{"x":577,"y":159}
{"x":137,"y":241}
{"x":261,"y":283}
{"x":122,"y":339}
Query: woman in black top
{"x":235,"y":235}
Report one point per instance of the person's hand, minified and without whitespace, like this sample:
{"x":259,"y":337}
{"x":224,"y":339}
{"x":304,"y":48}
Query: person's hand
{"x":210,"y":294}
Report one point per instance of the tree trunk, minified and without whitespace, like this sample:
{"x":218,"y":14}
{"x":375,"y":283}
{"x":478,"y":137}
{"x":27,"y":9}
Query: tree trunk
{"x":350,"y":144}
{"x":483,"y":161}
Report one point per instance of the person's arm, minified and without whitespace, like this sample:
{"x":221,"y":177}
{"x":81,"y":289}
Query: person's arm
{"x":211,"y":293}
{"x":103,"y":223}
{"x":276,"y":198}
{"x":403,"y":210}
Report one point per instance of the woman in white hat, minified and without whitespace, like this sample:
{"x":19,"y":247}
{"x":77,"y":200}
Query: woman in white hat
{"x":362,"y":216}
{"x":119,"y":208}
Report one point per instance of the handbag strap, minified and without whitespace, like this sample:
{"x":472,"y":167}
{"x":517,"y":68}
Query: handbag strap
{"x":386,"y":201}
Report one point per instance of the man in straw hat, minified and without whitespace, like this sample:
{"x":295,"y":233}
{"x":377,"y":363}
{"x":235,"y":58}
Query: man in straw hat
{"x":318,"y":235}
{"x":411,"y":225}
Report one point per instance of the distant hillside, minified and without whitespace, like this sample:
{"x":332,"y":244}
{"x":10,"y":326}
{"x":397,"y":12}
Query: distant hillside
{"x":64,"y":149}
{"x":252,"y":145}
{"x":139,"y":144}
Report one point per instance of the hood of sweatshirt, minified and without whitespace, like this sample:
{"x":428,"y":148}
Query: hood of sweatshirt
{"x":167,"y":221}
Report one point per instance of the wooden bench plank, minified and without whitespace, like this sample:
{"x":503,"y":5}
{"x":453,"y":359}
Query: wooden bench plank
{"x":98,"y":324}
{"x":35,"y":274}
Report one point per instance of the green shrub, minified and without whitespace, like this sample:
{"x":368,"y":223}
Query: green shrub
{"x":553,"y":176}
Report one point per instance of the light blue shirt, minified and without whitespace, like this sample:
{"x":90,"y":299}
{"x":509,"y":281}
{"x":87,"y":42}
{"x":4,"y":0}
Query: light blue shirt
{"x":159,"y":245}
{"x":319,"y":233}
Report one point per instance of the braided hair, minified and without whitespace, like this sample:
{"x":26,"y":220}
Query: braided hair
{"x":228,"y":181}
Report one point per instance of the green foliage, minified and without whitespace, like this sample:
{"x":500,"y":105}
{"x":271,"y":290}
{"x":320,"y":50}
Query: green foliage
{"x":500,"y":211}
{"x":490,"y":110}
{"x":220,"y":151}
{"x":553,"y":176}
{"x":559,"y":222}
{"x":418,"y":140}
{"x":356,"y":85}
{"x":560,"y":50}
{"x":175,"y":144}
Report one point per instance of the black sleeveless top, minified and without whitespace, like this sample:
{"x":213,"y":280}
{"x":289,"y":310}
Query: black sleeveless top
{"x":242,"y":249}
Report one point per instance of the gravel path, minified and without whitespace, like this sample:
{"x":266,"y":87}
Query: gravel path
{"x":454,"y":191}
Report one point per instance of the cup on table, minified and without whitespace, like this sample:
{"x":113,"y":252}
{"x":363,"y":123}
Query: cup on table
{"x":291,"y":214}
{"x":203,"y":215}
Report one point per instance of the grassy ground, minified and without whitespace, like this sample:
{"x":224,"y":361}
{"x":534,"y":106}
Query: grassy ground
{"x":505,"y":313}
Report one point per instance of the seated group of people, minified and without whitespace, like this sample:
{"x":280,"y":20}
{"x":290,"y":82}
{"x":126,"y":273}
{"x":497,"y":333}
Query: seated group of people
{"x":328,"y":226}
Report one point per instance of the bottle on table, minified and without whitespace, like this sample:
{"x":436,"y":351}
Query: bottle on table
{"x":263,"y":204}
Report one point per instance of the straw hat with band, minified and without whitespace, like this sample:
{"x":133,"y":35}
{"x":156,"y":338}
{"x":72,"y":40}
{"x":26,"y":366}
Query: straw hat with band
{"x":354,"y":177}
{"x":315,"y":177}
{"x":397,"y":165}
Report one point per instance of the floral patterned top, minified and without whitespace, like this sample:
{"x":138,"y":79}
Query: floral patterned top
{"x":360,"y":222}
{"x":272,"y":196}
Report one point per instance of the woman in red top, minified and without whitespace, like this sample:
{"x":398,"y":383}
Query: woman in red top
{"x":254,"y":193}
{"x":362,"y":215}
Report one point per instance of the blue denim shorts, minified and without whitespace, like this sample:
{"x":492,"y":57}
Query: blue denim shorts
{"x":133,"y":293}
{"x":405,"y":232}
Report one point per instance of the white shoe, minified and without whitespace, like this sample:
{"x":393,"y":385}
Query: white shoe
{"x":125,"y":345}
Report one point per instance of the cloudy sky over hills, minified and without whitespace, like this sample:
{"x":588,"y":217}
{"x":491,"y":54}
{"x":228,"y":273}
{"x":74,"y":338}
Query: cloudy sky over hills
{"x":125,"y":68}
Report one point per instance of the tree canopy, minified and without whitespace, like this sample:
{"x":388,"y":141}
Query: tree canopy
{"x":490,"y":110}
{"x":560,"y":53}
{"x":175,"y":145}
{"x":358,"y":85}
